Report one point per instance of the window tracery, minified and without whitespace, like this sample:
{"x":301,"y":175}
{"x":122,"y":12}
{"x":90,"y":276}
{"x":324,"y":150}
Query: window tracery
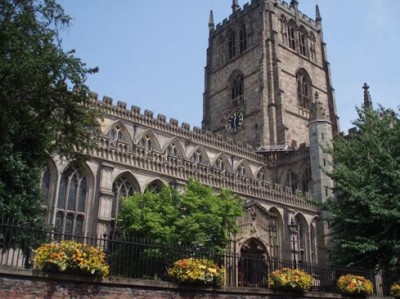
{"x":232,"y":45}
{"x":292,"y":35}
{"x":284,"y":30}
{"x":303,"y":89}
{"x":121,"y":188}
{"x":237,"y":90}
{"x":242,"y":39}
{"x":303,"y":42}
{"x":71,"y":203}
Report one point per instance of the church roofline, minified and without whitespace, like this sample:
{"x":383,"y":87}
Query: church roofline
{"x":184,"y":130}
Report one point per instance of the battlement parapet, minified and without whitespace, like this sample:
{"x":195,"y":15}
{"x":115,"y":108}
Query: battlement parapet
{"x":254,"y":3}
{"x":160,"y":122}
{"x":290,"y":9}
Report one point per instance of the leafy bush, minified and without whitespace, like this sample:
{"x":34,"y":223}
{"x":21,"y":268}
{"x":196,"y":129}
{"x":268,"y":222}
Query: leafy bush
{"x":290,"y":280}
{"x":395,"y":290}
{"x":355,"y":286}
{"x":71,"y":257}
{"x":193,"y":271}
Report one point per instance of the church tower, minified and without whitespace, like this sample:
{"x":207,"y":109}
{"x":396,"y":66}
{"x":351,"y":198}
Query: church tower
{"x":264,"y":63}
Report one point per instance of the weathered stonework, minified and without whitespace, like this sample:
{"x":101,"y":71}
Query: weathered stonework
{"x":272,"y":161}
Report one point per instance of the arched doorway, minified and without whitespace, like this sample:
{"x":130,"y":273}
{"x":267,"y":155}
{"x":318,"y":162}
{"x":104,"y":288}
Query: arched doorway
{"x":253,"y":264}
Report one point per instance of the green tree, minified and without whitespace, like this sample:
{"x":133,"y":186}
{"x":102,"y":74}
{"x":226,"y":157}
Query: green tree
{"x":365,"y":216}
{"x":44,"y":103}
{"x":196,"y":217}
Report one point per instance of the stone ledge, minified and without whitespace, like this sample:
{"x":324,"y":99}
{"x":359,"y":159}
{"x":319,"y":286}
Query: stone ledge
{"x":32,"y":274}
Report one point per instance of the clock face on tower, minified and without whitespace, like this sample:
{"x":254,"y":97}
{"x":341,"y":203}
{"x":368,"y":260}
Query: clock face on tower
{"x":234,"y":121}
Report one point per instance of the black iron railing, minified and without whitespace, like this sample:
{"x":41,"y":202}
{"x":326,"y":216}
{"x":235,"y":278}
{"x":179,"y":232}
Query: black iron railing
{"x":144,"y":259}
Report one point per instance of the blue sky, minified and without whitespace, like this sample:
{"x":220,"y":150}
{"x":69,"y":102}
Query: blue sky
{"x":152,"y":53}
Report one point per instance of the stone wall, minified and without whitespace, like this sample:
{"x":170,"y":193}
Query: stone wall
{"x":33,"y":284}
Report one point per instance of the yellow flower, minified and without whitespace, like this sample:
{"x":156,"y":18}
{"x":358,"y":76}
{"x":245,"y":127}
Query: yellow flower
{"x":72,"y":255}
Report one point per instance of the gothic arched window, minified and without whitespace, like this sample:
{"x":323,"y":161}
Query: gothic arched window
{"x":284,"y":30}
{"x":312,"y":47}
{"x":155,"y":186}
{"x":122,"y":188}
{"x":292,"y":35}
{"x":242,"y":39}
{"x":303,"y":42}
{"x":232,"y":45}
{"x":303,"y":89}
{"x":71,"y":203}
{"x":291,"y":180}
{"x":237,"y":90}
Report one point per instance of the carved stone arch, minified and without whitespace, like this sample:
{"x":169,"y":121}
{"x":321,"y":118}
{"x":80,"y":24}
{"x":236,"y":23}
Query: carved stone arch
{"x":222,"y":158}
{"x":253,"y":263}
{"x":149,"y":132}
{"x":255,"y":223}
{"x":118,"y":132}
{"x":205,"y":159}
{"x":303,"y":238}
{"x":243,"y":169}
{"x":180,"y":151}
{"x":155,"y":185}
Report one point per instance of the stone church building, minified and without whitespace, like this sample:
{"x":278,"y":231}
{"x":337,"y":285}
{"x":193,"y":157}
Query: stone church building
{"x":268,"y":107}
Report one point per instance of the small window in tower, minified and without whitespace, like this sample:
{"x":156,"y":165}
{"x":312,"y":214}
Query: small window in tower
{"x":303,"y":89}
{"x":232,"y":45}
{"x":292,"y":35}
{"x":284,"y":30}
{"x":243,"y":39}
{"x":303,"y":42}
{"x":237,"y":90}
{"x":312,"y":46}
